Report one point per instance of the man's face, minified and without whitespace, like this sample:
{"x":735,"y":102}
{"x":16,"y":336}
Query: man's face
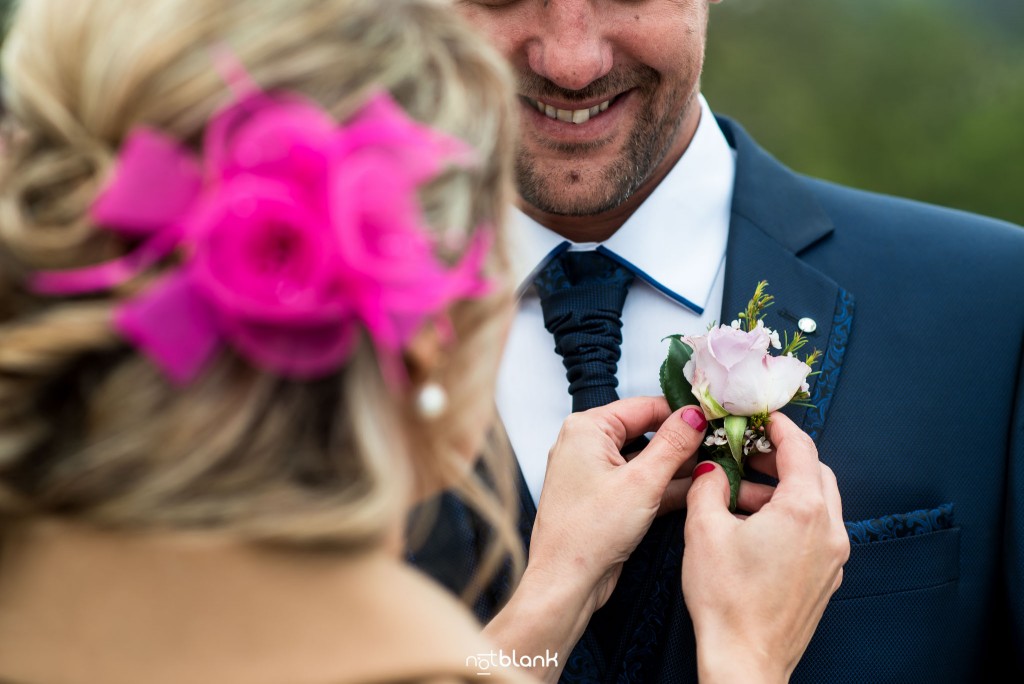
{"x":617,"y":80}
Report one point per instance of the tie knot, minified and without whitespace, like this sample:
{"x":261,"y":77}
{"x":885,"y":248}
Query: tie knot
{"x":572,"y":269}
{"x":582,"y":295}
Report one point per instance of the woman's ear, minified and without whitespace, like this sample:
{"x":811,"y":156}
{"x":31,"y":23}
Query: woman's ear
{"x":425,"y":354}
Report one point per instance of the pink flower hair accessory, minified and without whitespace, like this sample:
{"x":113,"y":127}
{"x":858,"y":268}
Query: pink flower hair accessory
{"x":293,"y":233}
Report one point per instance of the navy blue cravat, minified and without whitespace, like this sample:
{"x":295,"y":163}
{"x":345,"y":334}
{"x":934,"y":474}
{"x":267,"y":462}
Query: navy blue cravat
{"x":581,"y":295}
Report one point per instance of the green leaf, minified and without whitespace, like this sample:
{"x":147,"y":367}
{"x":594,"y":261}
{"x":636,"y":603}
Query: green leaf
{"x":735,"y":426}
{"x":673,"y":383}
{"x":735,"y":472}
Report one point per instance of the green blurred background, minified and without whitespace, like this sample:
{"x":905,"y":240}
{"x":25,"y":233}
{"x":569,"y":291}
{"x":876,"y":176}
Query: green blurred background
{"x":920,"y":98}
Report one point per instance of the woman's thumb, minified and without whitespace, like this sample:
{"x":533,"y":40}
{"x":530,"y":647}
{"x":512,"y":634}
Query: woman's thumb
{"x":709,"y":492}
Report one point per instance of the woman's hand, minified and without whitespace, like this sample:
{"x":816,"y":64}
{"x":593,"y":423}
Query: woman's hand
{"x":595,"y":508}
{"x":757,"y":586}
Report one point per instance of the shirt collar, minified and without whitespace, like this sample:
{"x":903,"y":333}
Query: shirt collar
{"x":675,"y":240}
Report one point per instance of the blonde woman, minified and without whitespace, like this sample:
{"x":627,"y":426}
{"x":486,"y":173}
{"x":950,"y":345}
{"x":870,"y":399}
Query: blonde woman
{"x":252,"y":297}
{"x":243,"y":524}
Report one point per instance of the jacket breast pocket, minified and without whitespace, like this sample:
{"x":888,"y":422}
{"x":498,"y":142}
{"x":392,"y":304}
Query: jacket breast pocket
{"x":887,"y":622}
{"x":902,"y":552}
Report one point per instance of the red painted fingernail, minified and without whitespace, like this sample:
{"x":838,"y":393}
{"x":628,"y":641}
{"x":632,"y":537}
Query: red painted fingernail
{"x":702,"y":469}
{"x":694,"y":417}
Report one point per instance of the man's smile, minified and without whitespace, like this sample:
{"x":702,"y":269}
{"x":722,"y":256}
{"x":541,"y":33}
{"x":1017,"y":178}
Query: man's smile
{"x":576,"y":116}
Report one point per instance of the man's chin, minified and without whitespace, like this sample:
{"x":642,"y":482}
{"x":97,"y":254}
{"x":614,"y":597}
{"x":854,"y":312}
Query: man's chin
{"x":569,"y":206}
{"x":566,"y":194}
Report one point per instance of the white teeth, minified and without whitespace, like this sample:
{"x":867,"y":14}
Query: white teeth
{"x":576,"y":116}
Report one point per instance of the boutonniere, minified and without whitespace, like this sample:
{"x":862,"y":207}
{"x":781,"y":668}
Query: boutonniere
{"x":732,"y":375}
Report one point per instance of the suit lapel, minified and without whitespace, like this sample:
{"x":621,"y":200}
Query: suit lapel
{"x":775,"y":218}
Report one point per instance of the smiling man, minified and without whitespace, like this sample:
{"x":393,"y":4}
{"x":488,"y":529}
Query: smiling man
{"x":620,"y":155}
{"x":610,"y":102}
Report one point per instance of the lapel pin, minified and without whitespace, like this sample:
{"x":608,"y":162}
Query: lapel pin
{"x":807,"y":325}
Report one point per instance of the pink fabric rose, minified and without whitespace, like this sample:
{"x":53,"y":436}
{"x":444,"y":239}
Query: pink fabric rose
{"x":732,"y":373}
{"x":295,"y":232}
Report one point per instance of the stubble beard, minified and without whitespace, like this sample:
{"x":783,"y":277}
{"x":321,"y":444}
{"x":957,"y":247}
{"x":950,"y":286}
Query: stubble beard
{"x":648,"y":142}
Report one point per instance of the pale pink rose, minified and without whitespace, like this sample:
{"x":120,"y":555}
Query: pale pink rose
{"x":732,"y":373}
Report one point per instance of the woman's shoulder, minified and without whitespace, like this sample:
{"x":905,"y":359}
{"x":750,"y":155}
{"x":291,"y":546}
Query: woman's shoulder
{"x":502,"y":677}
{"x":434,"y":638}
{"x":232,"y":615}
{"x":454,"y":678}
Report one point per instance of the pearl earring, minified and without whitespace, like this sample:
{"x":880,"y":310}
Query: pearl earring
{"x":431,"y":400}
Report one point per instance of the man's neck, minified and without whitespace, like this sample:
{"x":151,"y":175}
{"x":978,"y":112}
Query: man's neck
{"x":589,"y":227}
{"x":600,"y":227}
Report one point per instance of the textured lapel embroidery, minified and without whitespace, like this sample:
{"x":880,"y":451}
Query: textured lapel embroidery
{"x":775,"y":218}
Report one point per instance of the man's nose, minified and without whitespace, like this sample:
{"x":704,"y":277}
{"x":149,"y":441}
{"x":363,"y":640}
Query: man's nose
{"x":570,"y":48}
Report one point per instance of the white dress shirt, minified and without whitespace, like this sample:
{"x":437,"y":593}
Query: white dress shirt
{"x":675,"y":243}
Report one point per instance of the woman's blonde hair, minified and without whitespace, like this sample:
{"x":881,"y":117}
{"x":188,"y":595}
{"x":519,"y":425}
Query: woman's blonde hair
{"x":90,"y":429}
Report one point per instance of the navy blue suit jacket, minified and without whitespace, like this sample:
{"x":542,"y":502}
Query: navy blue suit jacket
{"x":919,"y":411}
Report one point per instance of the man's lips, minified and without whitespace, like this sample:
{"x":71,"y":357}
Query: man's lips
{"x":567,"y":113}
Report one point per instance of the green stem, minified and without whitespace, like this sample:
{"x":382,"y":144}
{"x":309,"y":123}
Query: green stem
{"x":735,"y":428}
